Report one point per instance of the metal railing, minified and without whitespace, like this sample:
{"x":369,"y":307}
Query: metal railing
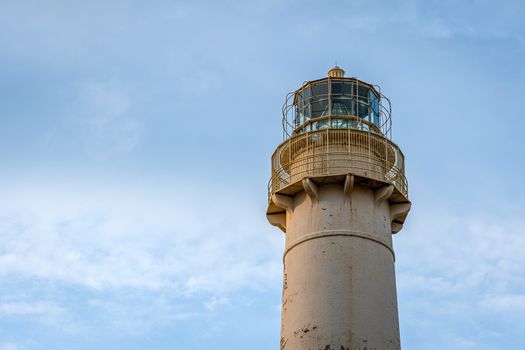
{"x":332,"y":152}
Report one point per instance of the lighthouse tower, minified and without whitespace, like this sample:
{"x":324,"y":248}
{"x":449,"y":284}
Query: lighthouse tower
{"x":338,"y":192}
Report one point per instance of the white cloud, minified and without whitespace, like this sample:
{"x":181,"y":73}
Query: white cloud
{"x":506,"y":302}
{"x":215,"y":302}
{"x":140,"y":312}
{"x":29,"y":309}
{"x":451,"y":254}
{"x":185,"y":241}
{"x":454,"y":272}
{"x":10,"y":346}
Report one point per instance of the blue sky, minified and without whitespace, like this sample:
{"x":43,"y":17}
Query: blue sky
{"x":135,"y":141}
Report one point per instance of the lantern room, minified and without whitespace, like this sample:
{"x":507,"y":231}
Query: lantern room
{"x":336,"y":102}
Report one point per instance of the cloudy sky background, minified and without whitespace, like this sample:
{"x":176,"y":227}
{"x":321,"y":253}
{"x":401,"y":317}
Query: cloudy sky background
{"x":135,"y":141}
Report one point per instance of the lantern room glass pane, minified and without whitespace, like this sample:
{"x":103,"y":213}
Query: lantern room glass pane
{"x":339,"y":123}
{"x":324,"y":124}
{"x":306,"y":93}
{"x":337,"y":87}
{"x":363,"y":110}
{"x":363,"y":91}
{"x":319,"y":107}
{"x":348,"y":88}
{"x":319,"y":100}
{"x":303,"y":115}
{"x":319,"y":89}
{"x":374,"y":105}
{"x":348,"y":98}
{"x":343,"y":106}
{"x":342,"y":87}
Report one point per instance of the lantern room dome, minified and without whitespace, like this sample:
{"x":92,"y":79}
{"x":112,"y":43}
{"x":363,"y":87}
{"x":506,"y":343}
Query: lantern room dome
{"x":336,"y":72}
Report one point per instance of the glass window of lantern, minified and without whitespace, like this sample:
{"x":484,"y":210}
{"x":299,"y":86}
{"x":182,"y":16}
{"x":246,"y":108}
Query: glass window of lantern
{"x":363,"y":91}
{"x":319,"y":99}
{"x":319,"y":106}
{"x":363,"y":110}
{"x":337,"y":87}
{"x":339,"y":123}
{"x":324,"y":124}
{"x":339,"y":108}
{"x":374,"y":104}
{"x":319,"y":89}
{"x":348,"y":88}
{"x":303,"y":114}
{"x":305,"y":94}
{"x":342,"y":105}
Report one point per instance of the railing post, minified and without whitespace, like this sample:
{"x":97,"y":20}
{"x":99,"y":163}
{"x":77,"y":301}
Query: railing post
{"x":369,"y":150}
{"x":385,"y":170}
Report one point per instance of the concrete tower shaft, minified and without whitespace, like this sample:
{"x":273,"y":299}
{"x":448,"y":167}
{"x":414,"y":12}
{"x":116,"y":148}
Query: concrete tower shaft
{"x":338,"y":191}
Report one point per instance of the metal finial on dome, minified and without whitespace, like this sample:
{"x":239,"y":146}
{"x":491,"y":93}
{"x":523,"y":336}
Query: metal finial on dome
{"x":336,"y":72}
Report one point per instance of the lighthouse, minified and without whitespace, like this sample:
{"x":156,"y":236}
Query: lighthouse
{"x":338,"y":191}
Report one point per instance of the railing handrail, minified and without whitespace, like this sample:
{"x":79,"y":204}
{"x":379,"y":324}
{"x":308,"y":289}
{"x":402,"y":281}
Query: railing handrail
{"x":349,"y":159}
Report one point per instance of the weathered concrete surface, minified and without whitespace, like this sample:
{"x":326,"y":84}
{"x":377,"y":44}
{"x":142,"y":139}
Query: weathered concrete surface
{"x":339,"y":287}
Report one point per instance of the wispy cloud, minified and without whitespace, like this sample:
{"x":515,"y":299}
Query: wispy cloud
{"x":455,"y":269}
{"x":28,"y":306}
{"x":215,"y":302}
{"x":506,"y":302}
{"x":135,"y":239}
{"x":456,"y":254}
{"x":29,"y":309}
{"x":10,"y":346}
{"x":131,"y":259}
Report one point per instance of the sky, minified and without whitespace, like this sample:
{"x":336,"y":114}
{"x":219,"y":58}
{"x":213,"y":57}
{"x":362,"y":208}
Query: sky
{"x":135,"y":144}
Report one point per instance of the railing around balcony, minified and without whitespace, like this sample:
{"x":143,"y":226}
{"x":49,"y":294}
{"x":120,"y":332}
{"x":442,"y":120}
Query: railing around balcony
{"x":333,"y":152}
